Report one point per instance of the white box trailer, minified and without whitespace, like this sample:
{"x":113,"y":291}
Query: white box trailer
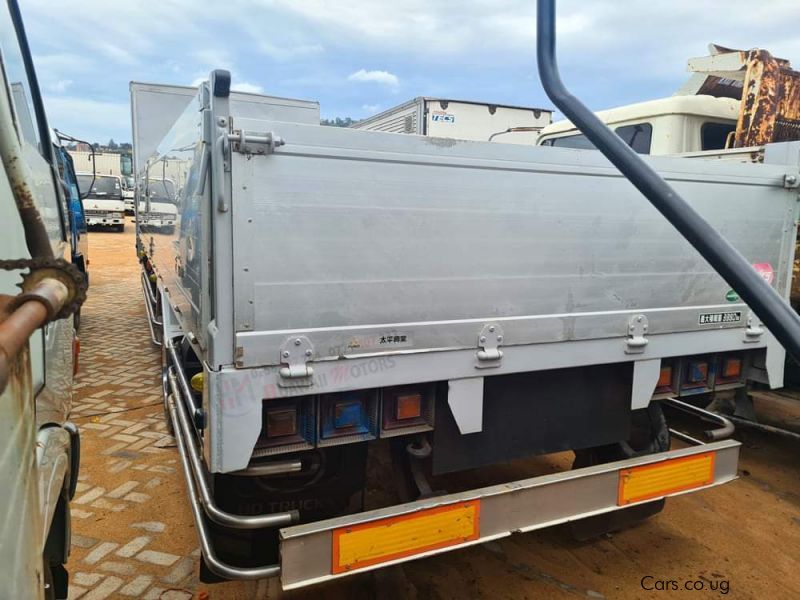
{"x":108,"y":163}
{"x":461,"y":119}
{"x":329,"y":290}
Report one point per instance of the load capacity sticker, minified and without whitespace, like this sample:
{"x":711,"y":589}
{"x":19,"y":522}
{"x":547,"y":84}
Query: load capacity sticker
{"x":720,"y":318}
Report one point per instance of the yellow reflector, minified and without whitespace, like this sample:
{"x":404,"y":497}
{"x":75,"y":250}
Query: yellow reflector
{"x":198,"y":381}
{"x":360,"y":546}
{"x":667,"y":477}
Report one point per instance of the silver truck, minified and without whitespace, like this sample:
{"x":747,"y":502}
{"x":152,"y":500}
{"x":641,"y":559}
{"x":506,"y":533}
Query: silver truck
{"x":329,"y":293}
{"x":41,"y":289}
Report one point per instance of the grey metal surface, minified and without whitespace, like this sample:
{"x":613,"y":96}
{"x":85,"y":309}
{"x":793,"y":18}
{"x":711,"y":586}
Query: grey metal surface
{"x":519,"y":506}
{"x":374,"y":233}
{"x":156,"y":107}
{"x":235,"y":413}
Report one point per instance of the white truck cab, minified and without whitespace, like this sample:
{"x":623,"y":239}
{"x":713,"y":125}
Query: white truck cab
{"x":162,"y":212}
{"x":671,"y":125}
{"x":128,"y":193}
{"x":103,"y":202}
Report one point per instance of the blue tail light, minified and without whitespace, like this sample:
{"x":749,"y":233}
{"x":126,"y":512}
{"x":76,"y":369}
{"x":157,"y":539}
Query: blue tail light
{"x":347,"y":417}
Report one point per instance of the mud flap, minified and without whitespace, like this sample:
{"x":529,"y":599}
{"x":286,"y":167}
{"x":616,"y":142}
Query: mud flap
{"x":649,"y":435}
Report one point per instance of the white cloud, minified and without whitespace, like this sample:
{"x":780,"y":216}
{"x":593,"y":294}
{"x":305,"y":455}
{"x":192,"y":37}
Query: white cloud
{"x":241,"y":86}
{"x":60,"y":86}
{"x":285,"y":53}
{"x":384,"y":77}
{"x":211,"y":58}
{"x":92,"y":120}
{"x":244,"y":86}
{"x":370,"y":109}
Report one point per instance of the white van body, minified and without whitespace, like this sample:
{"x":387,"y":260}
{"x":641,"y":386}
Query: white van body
{"x":460,"y":119}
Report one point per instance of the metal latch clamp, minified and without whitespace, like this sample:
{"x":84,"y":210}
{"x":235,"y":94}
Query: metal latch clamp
{"x":258,"y":143}
{"x":754,"y":330}
{"x":489,"y":341}
{"x":637,"y":332}
{"x":296,"y":353}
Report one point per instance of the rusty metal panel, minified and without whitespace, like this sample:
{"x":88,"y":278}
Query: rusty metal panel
{"x":770,"y":102}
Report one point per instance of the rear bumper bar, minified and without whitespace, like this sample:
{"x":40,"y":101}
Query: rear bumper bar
{"x":311,"y":553}
{"x":308,"y":550}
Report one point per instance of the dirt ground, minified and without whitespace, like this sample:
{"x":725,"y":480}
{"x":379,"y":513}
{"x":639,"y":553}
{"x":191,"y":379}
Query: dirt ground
{"x":134,"y":537}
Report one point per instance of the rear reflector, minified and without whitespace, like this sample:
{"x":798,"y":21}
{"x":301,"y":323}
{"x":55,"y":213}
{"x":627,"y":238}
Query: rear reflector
{"x":359,"y":546}
{"x":698,"y":371}
{"x":281,"y":422}
{"x":732,"y":368}
{"x":409,"y":406}
{"x":668,"y":477}
{"x":665,"y":377}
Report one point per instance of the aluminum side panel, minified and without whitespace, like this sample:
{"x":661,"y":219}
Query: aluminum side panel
{"x":344,"y":231}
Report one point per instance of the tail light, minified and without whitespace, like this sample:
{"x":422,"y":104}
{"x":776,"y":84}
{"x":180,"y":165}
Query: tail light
{"x":287,"y":426}
{"x":697,"y":372}
{"x":697,"y":375}
{"x":348,"y":417}
{"x":407,"y":409}
{"x":730,"y":369}
{"x":665,"y":378}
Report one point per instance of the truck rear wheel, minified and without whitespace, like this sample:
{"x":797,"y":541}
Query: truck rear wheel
{"x":649,"y":435}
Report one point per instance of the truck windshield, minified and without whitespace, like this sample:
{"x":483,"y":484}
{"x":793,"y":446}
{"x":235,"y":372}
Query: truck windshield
{"x":162,"y":190}
{"x":104,"y":187}
{"x":637,"y":136}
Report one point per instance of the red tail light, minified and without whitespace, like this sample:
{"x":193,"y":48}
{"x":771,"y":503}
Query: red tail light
{"x":407,"y":409}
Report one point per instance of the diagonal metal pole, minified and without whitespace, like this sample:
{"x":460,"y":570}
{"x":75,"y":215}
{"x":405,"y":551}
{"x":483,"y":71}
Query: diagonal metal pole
{"x":774,"y":311}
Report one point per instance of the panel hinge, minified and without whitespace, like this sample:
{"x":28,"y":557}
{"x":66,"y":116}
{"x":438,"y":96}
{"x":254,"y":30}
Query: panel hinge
{"x":296,"y":353}
{"x":754,"y":330}
{"x":637,"y":332}
{"x":255,"y":143}
{"x":791,"y":181}
{"x":489,"y":341}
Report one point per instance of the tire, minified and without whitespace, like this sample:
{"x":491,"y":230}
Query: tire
{"x":121,"y":227}
{"x":649,"y":435}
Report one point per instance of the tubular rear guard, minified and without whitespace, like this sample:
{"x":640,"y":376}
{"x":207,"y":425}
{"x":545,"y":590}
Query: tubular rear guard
{"x":315,"y":552}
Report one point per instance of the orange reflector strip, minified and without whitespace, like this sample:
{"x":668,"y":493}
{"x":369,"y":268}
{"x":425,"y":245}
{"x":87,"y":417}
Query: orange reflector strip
{"x":359,"y":546}
{"x":666,"y":477}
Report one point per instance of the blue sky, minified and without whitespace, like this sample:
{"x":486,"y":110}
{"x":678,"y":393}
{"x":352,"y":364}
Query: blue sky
{"x":358,"y":57}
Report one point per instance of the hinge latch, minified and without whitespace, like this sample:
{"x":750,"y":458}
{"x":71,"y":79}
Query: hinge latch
{"x":637,"y":335}
{"x":489,"y":341}
{"x":753,"y":331}
{"x":255,"y":143}
{"x":296,"y":353}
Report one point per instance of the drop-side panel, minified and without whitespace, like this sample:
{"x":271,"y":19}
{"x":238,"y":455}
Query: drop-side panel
{"x":354,"y":236}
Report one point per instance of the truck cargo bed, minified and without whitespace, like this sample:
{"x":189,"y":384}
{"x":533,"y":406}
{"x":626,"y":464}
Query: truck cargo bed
{"x":368,"y":242}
